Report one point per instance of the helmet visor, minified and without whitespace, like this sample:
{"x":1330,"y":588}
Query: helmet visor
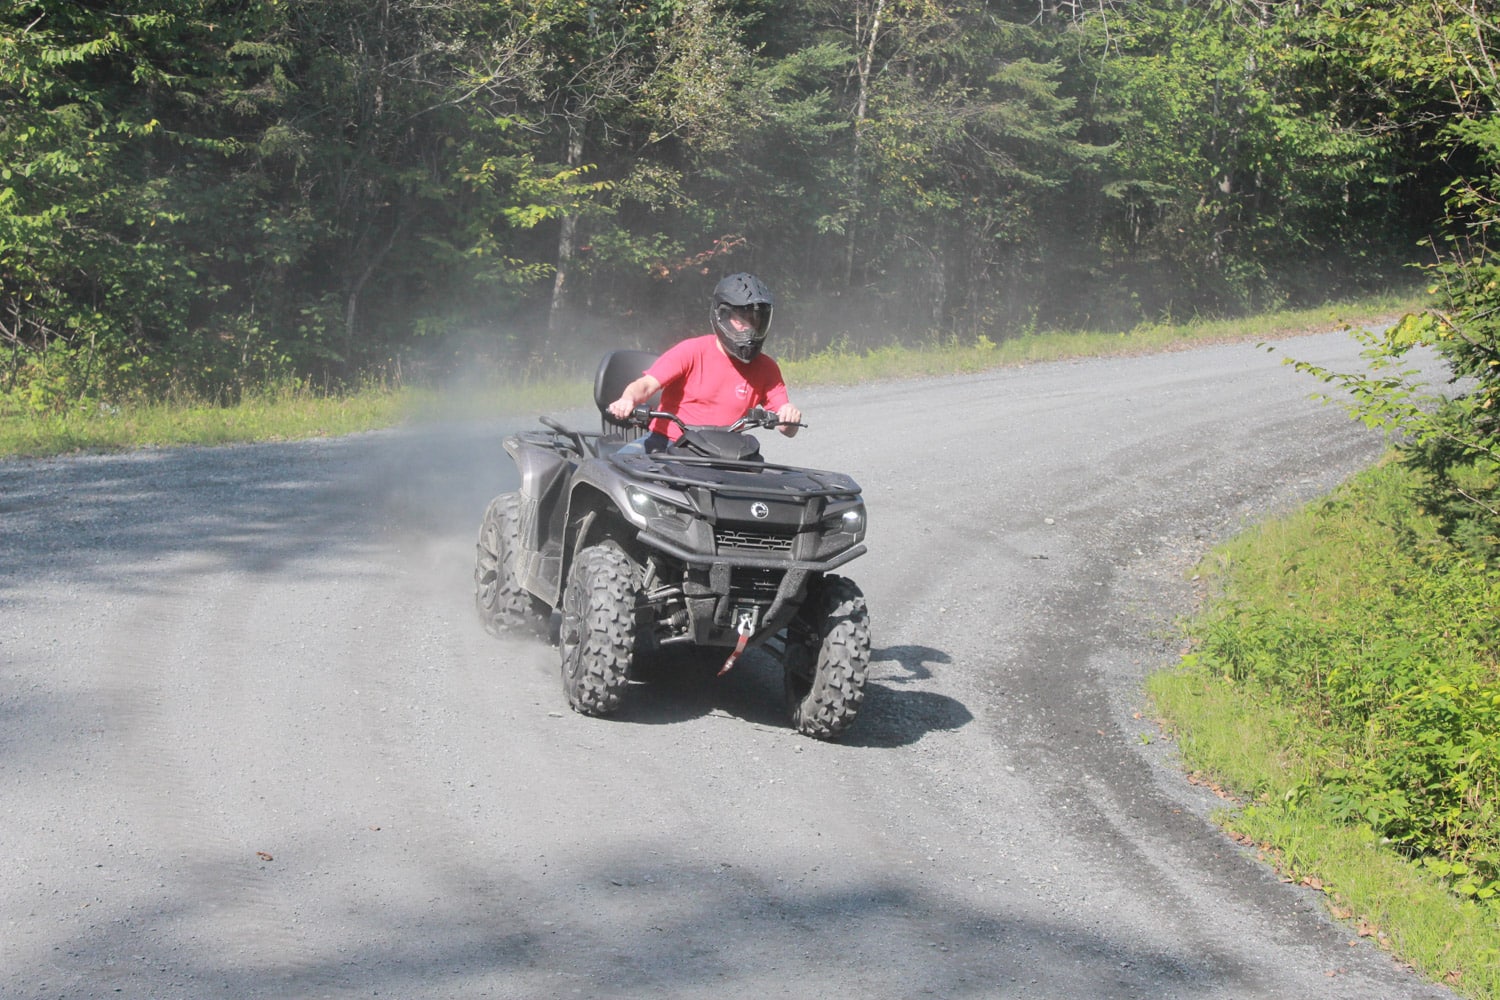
{"x":744,"y":324}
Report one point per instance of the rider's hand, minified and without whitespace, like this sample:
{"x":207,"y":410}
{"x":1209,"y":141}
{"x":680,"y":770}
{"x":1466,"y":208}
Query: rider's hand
{"x":622,"y":408}
{"x":790,"y":417}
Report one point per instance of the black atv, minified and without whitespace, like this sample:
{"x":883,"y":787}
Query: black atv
{"x":704,"y":543}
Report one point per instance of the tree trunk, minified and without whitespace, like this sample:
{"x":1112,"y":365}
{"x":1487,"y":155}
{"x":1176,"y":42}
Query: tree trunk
{"x":357,"y":287}
{"x":864,"y":62}
{"x":566,"y":237}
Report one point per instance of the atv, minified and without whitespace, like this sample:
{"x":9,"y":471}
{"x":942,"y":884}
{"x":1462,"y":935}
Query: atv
{"x":703,"y":544}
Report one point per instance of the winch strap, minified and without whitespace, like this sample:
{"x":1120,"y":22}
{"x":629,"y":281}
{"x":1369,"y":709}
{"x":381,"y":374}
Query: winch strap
{"x":739,"y":647}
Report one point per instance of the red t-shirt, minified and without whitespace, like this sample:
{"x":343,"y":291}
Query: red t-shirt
{"x":707,"y":388}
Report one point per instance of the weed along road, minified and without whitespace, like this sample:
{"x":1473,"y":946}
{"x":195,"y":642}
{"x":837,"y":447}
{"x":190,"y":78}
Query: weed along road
{"x":254,"y":741}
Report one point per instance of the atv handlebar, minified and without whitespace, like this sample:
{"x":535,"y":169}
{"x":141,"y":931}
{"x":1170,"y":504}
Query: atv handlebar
{"x":757,"y":417}
{"x":761,"y":417}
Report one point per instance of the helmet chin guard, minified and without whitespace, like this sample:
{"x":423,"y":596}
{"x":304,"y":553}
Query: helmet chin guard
{"x":741,"y":315}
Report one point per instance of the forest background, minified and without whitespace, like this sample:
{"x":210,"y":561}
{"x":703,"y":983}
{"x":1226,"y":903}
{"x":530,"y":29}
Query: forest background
{"x":203,"y":196}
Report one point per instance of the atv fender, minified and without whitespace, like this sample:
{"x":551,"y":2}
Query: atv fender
{"x":543,"y":473}
{"x":591,"y":511}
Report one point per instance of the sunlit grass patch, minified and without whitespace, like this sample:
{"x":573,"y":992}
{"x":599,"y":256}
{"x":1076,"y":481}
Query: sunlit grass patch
{"x":1345,"y":685}
{"x":844,"y":363}
{"x":282,"y":415}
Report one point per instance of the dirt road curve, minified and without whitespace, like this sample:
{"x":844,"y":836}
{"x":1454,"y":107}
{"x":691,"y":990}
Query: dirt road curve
{"x":255,"y":743}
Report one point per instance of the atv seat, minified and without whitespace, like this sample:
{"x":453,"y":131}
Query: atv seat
{"x":616,"y":371}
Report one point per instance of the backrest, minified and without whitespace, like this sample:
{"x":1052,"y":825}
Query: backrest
{"x":616,"y":371}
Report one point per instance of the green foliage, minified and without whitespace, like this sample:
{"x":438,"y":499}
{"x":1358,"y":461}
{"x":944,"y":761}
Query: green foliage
{"x":1247,"y":159}
{"x":1379,"y":636}
{"x":201,"y":195}
{"x":112,"y":124}
{"x":1440,"y":53}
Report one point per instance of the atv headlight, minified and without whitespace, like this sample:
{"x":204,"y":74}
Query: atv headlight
{"x":850,"y":520}
{"x":842,"y":527}
{"x":648,"y":508}
{"x":645,"y":504}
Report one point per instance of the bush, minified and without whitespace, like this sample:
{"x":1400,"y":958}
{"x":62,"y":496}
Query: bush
{"x":1395,"y":678}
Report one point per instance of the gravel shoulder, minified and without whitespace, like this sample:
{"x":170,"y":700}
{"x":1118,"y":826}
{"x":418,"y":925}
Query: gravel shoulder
{"x":254,"y":741}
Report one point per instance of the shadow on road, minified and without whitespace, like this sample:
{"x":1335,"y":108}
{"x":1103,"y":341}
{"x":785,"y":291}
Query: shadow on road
{"x":681,"y":684}
{"x":115,"y":520}
{"x":666,"y":925}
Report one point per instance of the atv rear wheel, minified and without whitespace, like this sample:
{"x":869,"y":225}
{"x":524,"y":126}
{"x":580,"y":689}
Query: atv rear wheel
{"x":827,"y":658}
{"x":598,"y":628}
{"x":503,"y":606}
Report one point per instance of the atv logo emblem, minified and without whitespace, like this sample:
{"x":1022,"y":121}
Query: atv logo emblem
{"x":759,"y":510}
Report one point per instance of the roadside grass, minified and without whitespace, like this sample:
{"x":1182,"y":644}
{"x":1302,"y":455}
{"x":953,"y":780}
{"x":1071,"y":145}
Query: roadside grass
{"x":850,"y":364}
{"x":302,"y":413}
{"x":284,"y":415}
{"x":258,"y":417}
{"x":1343,"y":693}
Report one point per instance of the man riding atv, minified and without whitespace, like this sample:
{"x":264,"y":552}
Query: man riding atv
{"x":692,"y":539}
{"x":715,"y":379}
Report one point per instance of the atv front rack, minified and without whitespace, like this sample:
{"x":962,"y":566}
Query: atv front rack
{"x":747,"y":478}
{"x":723,"y":562}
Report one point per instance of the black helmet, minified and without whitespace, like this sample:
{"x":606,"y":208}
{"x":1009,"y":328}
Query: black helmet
{"x":741,"y":314}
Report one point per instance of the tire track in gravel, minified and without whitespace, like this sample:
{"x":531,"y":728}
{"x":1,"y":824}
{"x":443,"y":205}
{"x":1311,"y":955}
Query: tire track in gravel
{"x":210,"y":653}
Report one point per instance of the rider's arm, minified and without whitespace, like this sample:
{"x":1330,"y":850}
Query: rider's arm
{"x":634,"y":395}
{"x":792,"y":416}
{"x":778,"y":402}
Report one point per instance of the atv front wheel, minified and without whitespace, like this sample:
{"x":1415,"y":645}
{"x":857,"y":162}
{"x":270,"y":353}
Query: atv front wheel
{"x":827,"y":658}
{"x":503,"y":606}
{"x":598,"y":628}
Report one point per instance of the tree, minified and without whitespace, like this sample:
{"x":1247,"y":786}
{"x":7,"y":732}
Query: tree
{"x":110,"y":117}
{"x":1436,"y":60}
{"x":624,"y":79}
{"x":1458,"y":444}
{"x":206,"y":194}
{"x":1249,"y":167}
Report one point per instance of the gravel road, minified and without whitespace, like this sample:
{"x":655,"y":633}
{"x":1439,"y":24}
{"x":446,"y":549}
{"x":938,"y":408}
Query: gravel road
{"x":255,"y":743}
